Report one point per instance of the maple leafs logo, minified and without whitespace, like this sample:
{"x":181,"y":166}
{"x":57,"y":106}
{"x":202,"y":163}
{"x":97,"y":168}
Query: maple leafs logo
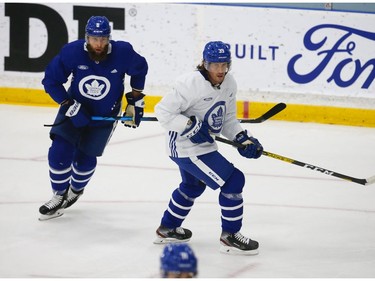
{"x":217,"y":118}
{"x":94,"y":89}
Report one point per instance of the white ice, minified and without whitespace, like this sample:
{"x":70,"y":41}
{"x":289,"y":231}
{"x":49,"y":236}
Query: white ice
{"x":308,"y":224}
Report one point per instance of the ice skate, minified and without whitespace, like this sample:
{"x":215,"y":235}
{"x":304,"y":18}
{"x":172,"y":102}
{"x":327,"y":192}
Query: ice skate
{"x":172,"y":235}
{"x":237,"y":244}
{"x":72,"y":197}
{"x":53,"y":208}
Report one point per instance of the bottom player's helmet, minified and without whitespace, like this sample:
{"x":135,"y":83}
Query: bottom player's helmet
{"x":178,"y":258}
{"x":216,"y":51}
{"x":98,"y":26}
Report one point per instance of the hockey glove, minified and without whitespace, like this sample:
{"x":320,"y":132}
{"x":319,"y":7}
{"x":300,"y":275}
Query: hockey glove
{"x":134,"y":109}
{"x":197,"y":131}
{"x":252,"y":149}
{"x":77,"y":113}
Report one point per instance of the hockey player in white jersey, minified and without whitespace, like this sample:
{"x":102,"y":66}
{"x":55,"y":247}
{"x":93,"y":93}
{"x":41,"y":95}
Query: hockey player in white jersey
{"x":202,"y":104}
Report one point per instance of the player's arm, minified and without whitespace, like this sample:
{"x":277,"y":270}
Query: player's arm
{"x":137,"y":71}
{"x":168,"y":111}
{"x":231,"y":126}
{"x":56,"y":75}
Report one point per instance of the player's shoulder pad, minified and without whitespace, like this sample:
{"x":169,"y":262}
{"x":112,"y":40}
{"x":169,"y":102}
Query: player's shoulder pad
{"x":121,"y":45}
{"x":73,"y":47}
{"x":190,"y":84}
{"x":230,"y":80}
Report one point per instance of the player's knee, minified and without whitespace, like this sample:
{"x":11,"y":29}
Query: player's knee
{"x":84,"y":162}
{"x":235,"y":183}
{"x":60,"y":154}
{"x":192,"y":191}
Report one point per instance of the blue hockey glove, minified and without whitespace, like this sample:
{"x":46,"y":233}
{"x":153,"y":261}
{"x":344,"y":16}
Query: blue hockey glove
{"x":77,"y":113}
{"x":197,"y":131}
{"x":252,"y":149}
{"x":134,"y":109}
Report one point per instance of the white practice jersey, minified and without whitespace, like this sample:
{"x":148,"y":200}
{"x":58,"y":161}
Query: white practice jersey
{"x":193,"y":95}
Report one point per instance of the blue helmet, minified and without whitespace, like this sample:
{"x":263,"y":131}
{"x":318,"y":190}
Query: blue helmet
{"x":98,"y":26}
{"x":178,"y":258}
{"x":216,"y":51}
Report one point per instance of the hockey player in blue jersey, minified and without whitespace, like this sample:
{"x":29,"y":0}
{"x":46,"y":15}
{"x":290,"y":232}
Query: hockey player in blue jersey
{"x":203,"y":104}
{"x":97,"y":66}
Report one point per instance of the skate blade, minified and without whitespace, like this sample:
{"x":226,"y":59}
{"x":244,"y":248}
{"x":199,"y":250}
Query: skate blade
{"x":57,"y":214}
{"x":163,"y":240}
{"x":234,"y":251}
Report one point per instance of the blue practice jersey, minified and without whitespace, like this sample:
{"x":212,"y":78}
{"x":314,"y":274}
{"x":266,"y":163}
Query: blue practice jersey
{"x":98,"y":86}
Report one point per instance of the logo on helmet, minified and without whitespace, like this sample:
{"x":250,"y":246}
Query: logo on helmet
{"x":217,"y":51}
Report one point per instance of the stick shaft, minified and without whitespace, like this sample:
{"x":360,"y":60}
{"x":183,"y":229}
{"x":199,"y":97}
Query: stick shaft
{"x":315,"y":168}
{"x":121,"y":118}
{"x":304,"y":165}
{"x":273,"y":111}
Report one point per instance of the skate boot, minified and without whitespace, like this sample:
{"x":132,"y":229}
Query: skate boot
{"x":53,"y":208}
{"x":172,"y":235}
{"x":237,"y":244}
{"x":72,"y":197}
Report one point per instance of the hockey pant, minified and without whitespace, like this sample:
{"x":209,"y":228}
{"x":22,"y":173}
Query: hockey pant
{"x":216,"y":172}
{"x":69,"y":166}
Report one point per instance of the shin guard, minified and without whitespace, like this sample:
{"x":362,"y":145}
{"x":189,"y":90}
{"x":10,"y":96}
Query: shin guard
{"x":231,"y":202}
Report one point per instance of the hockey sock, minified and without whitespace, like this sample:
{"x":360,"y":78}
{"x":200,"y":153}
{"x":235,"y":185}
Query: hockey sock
{"x":181,"y":202}
{"x":60,"y":157}
{"x":83,"y":169}
{"x":231,"y":202}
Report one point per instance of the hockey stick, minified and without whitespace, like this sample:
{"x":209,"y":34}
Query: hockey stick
{"x":273,"y":111}
{"x":367,"y":181}
{"x":56,"y":124}
{"x":121,"y":118}
{"x":270,"y":113}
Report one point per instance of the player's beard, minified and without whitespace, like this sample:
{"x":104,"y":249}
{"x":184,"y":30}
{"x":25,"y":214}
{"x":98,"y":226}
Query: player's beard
{"x":97,"y":56}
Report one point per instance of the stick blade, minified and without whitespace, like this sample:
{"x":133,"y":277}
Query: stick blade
{"x":270,"y":113}
{"x":276,"y":109}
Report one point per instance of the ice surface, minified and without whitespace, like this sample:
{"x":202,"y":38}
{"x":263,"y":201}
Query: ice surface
{"x":308,"y":224}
